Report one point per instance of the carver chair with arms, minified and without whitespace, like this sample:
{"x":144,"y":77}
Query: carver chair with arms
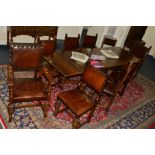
{"x":80,"y":101}
{"x":26,"y":89}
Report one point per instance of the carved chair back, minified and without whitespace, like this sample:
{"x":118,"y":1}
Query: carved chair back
{"x":109,"y":41}
{"x":89,"y":41}
{"x":71,"y":43}
{"x":139,"y":50}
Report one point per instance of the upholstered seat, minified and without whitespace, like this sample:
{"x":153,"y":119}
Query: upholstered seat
{"x":31,"y":88}
{"x":79,"y":105}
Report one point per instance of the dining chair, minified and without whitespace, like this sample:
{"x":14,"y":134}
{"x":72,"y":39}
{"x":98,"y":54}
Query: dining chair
{"x":47,"y":32}
{"x":71,"y":43}
{"x":89,"y":41}
{"x":140,"y":51}
{"x":118,"y":81}
{"x":48,"y":40}
{"x":49,"y":46}
{"x":135,"y":45}
{"x":23,"y":90}
{"x":108,"y":41}
{"x":79,"y":101}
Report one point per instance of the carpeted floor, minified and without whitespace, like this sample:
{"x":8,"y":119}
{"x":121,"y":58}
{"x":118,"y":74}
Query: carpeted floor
{"x":2,"y":123}
{"x":135,"y":109}
{"x":148,"y":68}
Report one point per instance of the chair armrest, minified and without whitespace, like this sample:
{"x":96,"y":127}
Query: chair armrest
{"x":48,"y":75}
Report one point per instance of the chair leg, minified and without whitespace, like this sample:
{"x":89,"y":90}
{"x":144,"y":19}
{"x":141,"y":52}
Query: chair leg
{"x":108,"y":106}
{"x":10,"y":111}
{"x":46,"y":106}
{"x":56,"y":107}
{"x":91,"y":114}
{"x":76,"y":124}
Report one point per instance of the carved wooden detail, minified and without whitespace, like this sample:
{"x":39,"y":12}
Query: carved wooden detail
{"x":33,"y":31}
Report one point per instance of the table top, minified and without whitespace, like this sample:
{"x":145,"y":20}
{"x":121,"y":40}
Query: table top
{"x":124,"y":57}
{"x":61,"y":60}
{"x":68,"y":67}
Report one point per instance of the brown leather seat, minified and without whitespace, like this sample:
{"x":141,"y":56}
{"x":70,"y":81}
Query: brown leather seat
{"x":31,"y":88}
{"x":24,"y":89}
{"x":78,"y":101}
{"x":79,"y":104}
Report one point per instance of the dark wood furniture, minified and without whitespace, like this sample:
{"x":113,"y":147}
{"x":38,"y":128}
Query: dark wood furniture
{"x":24,"y":89}
{"x":137,"y":43}
{"x":71,"y":43}
{"x":108,"y":40}
{"x":33,"y":31}
{"x":124,"y":57}
{"x":68,"y":67}
{"x":118,"y":81}
{"x":78,"y":101}
{"x":136,"y":33}
{"x":89,"y":41}
{"x":49,"y":47}
{"x":140,"y":51}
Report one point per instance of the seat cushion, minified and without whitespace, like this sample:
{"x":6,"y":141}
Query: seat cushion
{"x":76,"y":101}
{"x":29,"y":89}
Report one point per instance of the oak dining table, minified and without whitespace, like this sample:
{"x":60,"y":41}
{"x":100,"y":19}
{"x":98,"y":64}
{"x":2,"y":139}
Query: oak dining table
{"x":67,"y":67}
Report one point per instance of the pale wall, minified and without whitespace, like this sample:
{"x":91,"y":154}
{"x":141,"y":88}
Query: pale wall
{"x":3,"y":35}
{"x":120,"y":33}
{"x":149,"y":38}
{"x":72,"y":31}
{"x":99,"y":30}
